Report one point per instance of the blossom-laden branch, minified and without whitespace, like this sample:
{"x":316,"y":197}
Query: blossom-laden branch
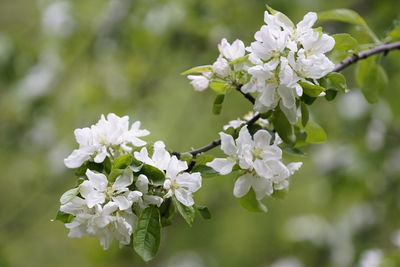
{"x":128,"y":189}
{"x":385,"y":48}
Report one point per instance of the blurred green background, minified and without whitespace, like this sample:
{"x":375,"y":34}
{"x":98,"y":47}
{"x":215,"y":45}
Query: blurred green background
{"x":63,"y":63}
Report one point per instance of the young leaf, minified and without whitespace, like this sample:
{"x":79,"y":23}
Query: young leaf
{"x":311,"y":89}
{"x":186,"y":212}
{"x":304,"y":114}
{"x":69,"y":195}
{"x":153,"y":174}
{"x":348,"y":16}
{"x":315,"y":133}
{"x":204,"y":212}
{"x":394,"y":34}
{"x":146,"y":238}
{"x":239,"y":60}
{"x":217,"y":106}
{"x":283,"y":127}
{"x":343,"y":15}
{"x":64,"y":217}
{"x":167,"y":210}
{"x":280,"y":194}
{"x":122,"y":162}
{"x":345,"y":42}
{"x":198,"y":69}
{"x":114,"y":174}
{"x":220,"y":87}
{"x":330,"y":94}
{"x":336,"y":81}
{"x":81,"y":171}
{"x":371,"y":78}
{"x":204,"y":170}
{"x":250,"y":203}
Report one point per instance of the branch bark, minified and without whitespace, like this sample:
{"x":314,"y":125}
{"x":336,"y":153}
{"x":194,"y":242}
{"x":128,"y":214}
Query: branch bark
{"x":385,"y":48}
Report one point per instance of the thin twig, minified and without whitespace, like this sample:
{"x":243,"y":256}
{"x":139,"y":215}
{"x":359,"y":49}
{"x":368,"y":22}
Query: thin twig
{"x":385,"y":48}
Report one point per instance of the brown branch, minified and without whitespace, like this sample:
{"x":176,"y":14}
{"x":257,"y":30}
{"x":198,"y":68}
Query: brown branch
{"x":385,"y":48}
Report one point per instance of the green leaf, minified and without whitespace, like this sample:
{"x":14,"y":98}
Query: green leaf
{"x":294,"y":151}
{"x":186,"y":157}
{"x":239,"y":60}
{"x":345,"y":42}
{"x":283,"y":127}
{"x":315,"y":133}
{"x":204,"y":170}
{"x":64,"y":217}
{"x":114,"y":174}
{"x":343,"y":15}
{"x":204,"y":158}
{"x":81,"y":171}
{"x":330,"y":94}
{"x":69,"y":195}
{"x":280,"y":194}
{"x":153,"y":174}
{"x":122,"y":162}
{"x":220,"y":87}
{"x":204,"y":212}
{"x":394,"y":34}
{"x":336,"y":81}
{"x":198,"y":69}
{"x":167,"y":211}
{"x":250,"y":203}
{"x":307,"y":99}
{"x":304,"y":114}
{"x":348,"y":16}
{"x":217,"y":106}
{"x":146,"y":238}
{"x":371,"y":78}
{"x":186,"y":212}
{"x":311,"y":89}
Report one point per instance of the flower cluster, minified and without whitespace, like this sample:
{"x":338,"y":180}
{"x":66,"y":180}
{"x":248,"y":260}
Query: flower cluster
{"x":259,"y":161}
{"x":109,"y":137}
{"x":109,"y":200}
{"x":223,"y":67}
{"x":282,"y":57}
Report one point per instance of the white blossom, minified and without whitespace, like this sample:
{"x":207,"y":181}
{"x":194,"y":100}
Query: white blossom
{"x":199,"y":82}
{"x":142,"y":184}
{"x":108,"y":137}
{"x":177,"y":183}
{"x":221,"y":67}
{"x":260,"y":160}
{"x":96,"y":190}
{"x":283,"y":55}
{"x":232,"y":51}
{"x":103,"y":222}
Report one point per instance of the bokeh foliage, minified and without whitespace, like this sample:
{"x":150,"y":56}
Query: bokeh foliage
{"x":59,"y":72}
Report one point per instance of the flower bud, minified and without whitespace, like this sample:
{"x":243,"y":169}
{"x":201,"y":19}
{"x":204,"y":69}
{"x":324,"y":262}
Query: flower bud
{"x":199,"y":82}
{"x":221,"y":67}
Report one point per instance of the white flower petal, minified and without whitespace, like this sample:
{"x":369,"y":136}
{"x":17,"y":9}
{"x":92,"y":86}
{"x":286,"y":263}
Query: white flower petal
{"x":184,"y":196}
{"x":123,"y":181}
{"x":242,"y":185}
{"x":122,"y":202}
{"x":175,"y":166}
{"x":190,"y":181}
{"x":98,"y":180}
{"x":227,"y":144}
{"x":142,"y":183}
{"x":223,"y":166}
